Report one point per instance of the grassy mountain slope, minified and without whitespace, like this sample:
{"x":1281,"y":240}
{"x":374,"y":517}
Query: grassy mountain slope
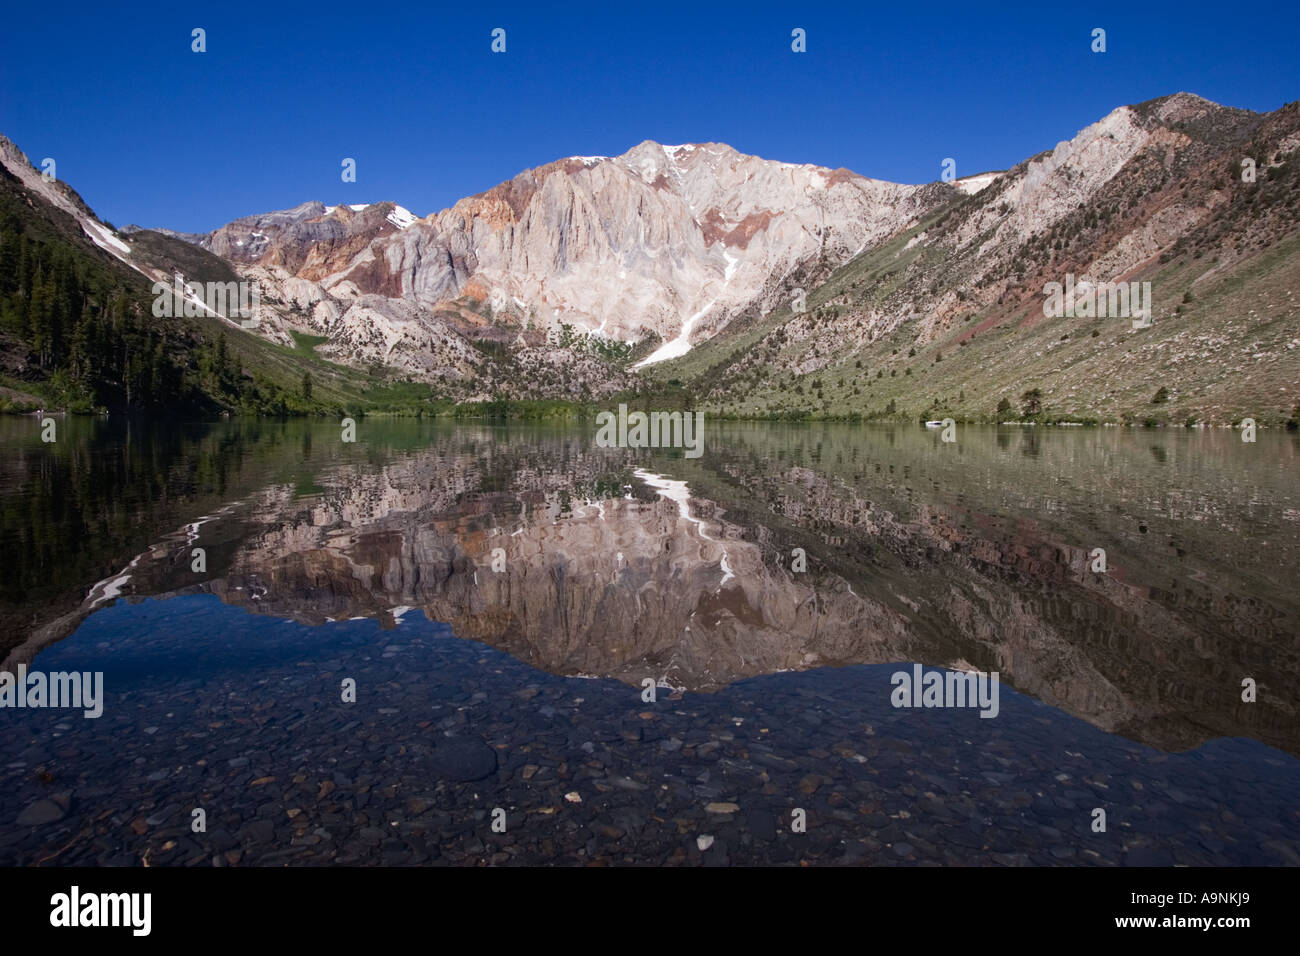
{"x":77,"y":331}
{"x":947,"y":318}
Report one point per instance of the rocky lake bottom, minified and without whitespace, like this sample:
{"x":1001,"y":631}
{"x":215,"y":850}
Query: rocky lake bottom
{"x":241,"y":715}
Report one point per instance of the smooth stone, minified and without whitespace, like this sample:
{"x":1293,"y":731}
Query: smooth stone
{"x":775,"y":762}
{"x":463,"y":759}
{"x":259,"y":831}
{"x":40,"y":813}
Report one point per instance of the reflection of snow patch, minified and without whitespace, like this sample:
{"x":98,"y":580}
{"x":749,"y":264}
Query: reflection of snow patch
{"x":680,"y":492}
{"x":112,"y":587}
{"x":192,"y":529}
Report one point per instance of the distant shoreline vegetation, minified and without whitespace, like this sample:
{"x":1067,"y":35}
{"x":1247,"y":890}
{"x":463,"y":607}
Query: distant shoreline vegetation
{"x":557,"y":411}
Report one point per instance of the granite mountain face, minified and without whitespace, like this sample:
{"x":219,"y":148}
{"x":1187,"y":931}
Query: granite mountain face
{"x":751,"y":280}
{"x":663,"y":242}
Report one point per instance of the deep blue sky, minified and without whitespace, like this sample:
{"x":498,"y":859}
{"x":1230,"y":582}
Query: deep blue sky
{"x":151,"y":133}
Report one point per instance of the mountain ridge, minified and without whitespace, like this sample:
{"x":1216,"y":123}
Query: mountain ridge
{"x":589,"y":276}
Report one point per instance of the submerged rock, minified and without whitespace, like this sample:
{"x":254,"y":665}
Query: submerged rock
{"x":41,"y":812}
{"x":463,"y":759}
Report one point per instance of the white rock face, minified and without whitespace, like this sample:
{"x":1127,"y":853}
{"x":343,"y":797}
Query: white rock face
{"x":649,"y":241}
{"x":1057,"y":183}
{"x":672,"y":240}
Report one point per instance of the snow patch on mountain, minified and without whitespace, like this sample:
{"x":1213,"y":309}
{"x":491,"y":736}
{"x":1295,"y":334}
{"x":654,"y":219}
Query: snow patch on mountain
{"x":105,"y":237}
{"x":402,"y":218}
{"x":973,"y":184}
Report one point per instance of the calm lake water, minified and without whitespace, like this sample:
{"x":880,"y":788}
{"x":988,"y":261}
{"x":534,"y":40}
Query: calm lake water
{"x":499,"y":595}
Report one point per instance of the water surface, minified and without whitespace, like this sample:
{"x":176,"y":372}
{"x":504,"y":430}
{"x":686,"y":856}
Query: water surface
{"x":510,"y":589}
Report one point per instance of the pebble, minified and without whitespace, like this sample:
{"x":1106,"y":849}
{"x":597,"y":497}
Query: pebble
{"x":40,"y":813}
{"x":290,"y":776}
{"x":463,"y":759}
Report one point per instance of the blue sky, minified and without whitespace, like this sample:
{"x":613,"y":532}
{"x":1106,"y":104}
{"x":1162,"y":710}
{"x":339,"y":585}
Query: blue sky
{"x":151,"y":133}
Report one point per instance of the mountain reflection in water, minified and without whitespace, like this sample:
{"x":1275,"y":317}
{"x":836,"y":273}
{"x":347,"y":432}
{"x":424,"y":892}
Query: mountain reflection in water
{"x":640,"y":563}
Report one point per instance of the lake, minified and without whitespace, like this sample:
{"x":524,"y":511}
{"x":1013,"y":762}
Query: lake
{"x":469,"y":644}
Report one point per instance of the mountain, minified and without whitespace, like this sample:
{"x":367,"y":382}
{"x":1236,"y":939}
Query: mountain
{"x":663,"y":243}
{"x":759,"y":288}
{"x":78,"y":328}
{"x":947,"y":317}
